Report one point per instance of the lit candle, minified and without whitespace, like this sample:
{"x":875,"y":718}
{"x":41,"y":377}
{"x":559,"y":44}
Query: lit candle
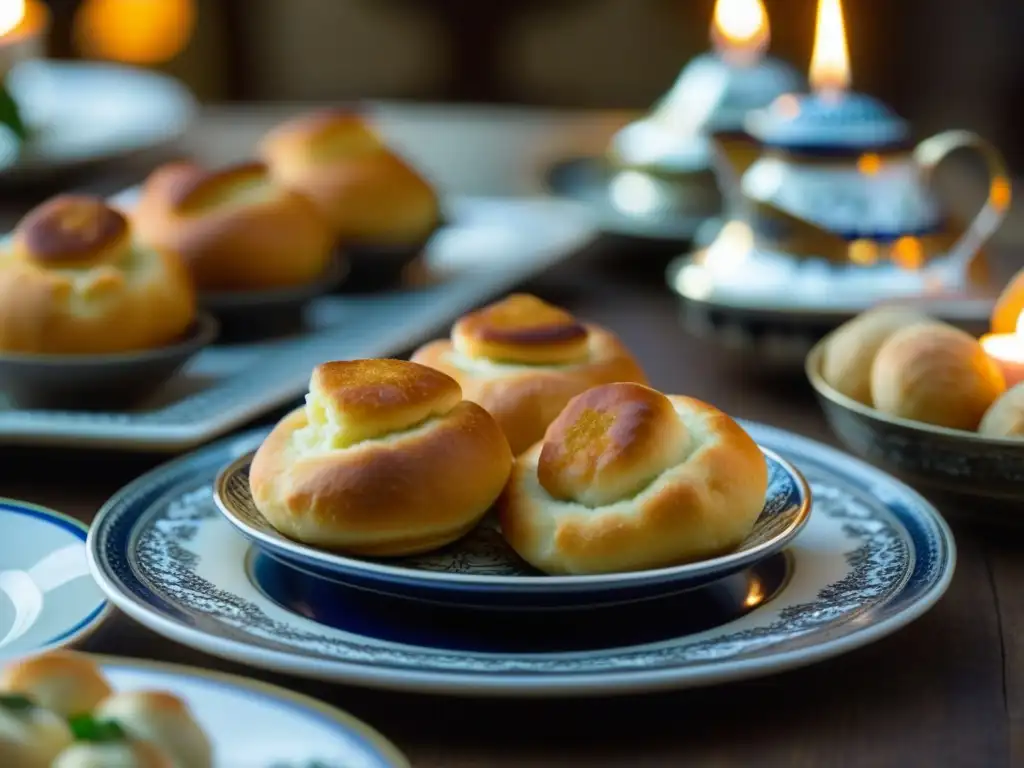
{"x":830,"y":60}
{"x":740,"y":31}
{"x":1007,"y":350}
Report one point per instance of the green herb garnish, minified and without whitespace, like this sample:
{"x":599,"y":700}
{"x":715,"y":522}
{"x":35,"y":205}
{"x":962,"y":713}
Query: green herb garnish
{"x":88,"y":728}
{"x":16,"y":702}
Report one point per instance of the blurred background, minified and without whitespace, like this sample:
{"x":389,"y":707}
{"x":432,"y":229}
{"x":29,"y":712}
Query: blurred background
{"x":940,"y":63}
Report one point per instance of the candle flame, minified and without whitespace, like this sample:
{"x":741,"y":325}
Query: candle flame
{"x":11,"y":14}
{"x":740,"y":28}
{"x":830,"y":62}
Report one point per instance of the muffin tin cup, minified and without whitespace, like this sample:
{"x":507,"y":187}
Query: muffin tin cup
{"x":99,"y":382}
{"x":374,"y":268}
{"x":956,"y":466}
{"x":248,"y":316}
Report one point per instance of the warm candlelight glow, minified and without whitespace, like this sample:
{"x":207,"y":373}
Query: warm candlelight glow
{"x":1007,"y":349}
{"x":11,"y":14}
{"x":740,"y":29}
{"x":830,"y":62}
{"x":134,"y":31}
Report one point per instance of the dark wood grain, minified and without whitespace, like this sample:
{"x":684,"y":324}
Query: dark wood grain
{"x":946,"y":691}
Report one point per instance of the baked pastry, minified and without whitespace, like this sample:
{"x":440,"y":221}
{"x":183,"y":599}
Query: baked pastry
{"x":1009,"y":306}
{"x":1005,"y":417}
{"x":66,"y":683}
{"x":162,"y":719}
{"x":30,"y":736}
{"x":386,"y":458}
{"x":628,"y":479}
{"x":936,"y":374}
{"x":234,"y":228}
{"x":523,"y":359}
{"x":114,"y":753}
{"x":850,"y":350}
{"x":74,"y":280}
{"x":367,"y":192}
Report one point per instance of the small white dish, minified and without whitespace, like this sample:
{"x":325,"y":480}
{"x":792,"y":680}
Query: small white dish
{"x":256,"y":725}
{"x":47,"y":597}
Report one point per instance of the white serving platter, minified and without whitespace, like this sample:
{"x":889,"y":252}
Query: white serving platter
{"x":490,"y":246}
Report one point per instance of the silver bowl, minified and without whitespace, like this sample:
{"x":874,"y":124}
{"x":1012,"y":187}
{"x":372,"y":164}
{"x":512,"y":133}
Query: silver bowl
{"x":972,"y":476}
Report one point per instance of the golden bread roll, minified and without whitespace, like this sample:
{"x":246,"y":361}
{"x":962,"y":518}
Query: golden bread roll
{"x":1005,"y":417}
{"x":386,"y":458}
{"x":74,"y":280}
{"x":936,"y":374}
{"x":30,"y":736}
{"x":234,"y":228}
{"x":66,"y":683}
{"x":367,"y":193}
{"x":628,"y":479}
{"x":163,"y":720}
{"x":850,"y":350}
{"x":1009,"y":306}
{"x":121,"y":753}
{"x":523,"y":359}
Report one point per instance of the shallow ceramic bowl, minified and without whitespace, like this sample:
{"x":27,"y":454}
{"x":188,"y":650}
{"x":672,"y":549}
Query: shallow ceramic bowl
{"x":382,"y":267}
{"x":253,"y":315}
{"x":481,"y":571}
{"x":99,"y":382}
{"x":960,"y":467}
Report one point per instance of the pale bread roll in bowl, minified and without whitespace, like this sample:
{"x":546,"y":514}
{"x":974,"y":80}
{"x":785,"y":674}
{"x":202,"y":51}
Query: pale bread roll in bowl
{"x":935,"y":374}
{"x":30,"y":736}
{"x":1005,"y":417}
{"x":629,"y":479}
{"x":523,"y":359}
{"x":234,"y":228}
{"x":850,"y":350}
{"x":367,"y":193}
{"x":75,"y":280}
{"x":66,"y":683}
{"x":113,"y":754}
{"x":386,"y":458}
{"x":163,"y":720}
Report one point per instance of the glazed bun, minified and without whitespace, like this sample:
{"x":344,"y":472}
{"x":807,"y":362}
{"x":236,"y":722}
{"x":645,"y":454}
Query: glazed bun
{"x":163,"y":720}
{"x":386,"y":458}
{"x":30,"y":736}
{"x":74,"y":280}
{"x":114,"y":754}
{"x":523,"y":359}
{"x":1005,"y":418}
{"x":628,"y":479}
{"x":66,"y":683}
{"x":850,"y":351}
{"x":367,"y":193}
{"x":936,"y":374}
{"x":234,"y":228}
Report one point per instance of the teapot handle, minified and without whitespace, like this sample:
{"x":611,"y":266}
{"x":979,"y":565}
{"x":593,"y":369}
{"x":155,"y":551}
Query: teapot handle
{"x":930,"y":153}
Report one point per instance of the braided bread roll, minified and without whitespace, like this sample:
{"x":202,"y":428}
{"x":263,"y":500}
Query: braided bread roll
{"x":386,"y":458}
{"x":628,"y":479}
{"x":75,"y":281}
{"x":523,"y":360}
{"x":234,"y":228}
{"x":367,"y":192}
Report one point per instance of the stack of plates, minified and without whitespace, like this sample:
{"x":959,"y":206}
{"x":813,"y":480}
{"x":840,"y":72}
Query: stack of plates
{"x":183,"y":551}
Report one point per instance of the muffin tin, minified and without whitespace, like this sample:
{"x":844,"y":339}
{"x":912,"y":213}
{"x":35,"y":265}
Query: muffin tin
{"x":486,"y":247}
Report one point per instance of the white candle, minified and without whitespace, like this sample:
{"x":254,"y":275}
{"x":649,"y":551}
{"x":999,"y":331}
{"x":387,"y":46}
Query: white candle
{"x":1007,"y":350}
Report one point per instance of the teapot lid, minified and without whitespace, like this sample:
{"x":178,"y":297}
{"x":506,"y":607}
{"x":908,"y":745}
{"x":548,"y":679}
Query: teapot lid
{"x":822,"y":124}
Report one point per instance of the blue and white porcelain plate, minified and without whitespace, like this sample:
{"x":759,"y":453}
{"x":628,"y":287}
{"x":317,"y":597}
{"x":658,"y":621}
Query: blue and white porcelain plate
{"x":47,"y":597}
{"x":482,"y":571}
{"x":873,"y":556}
{"x":257,"y":725}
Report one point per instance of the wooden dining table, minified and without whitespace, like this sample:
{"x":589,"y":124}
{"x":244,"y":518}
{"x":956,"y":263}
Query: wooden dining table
{"x":948,"y":690}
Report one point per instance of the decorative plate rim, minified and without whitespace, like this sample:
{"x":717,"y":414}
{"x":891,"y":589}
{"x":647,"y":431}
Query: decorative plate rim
{"x":603,"y":683}
{"x":88,"y":625}
{"x":812,"y":368}
{"x":336,"y":716}
{"x":723,"y":563}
